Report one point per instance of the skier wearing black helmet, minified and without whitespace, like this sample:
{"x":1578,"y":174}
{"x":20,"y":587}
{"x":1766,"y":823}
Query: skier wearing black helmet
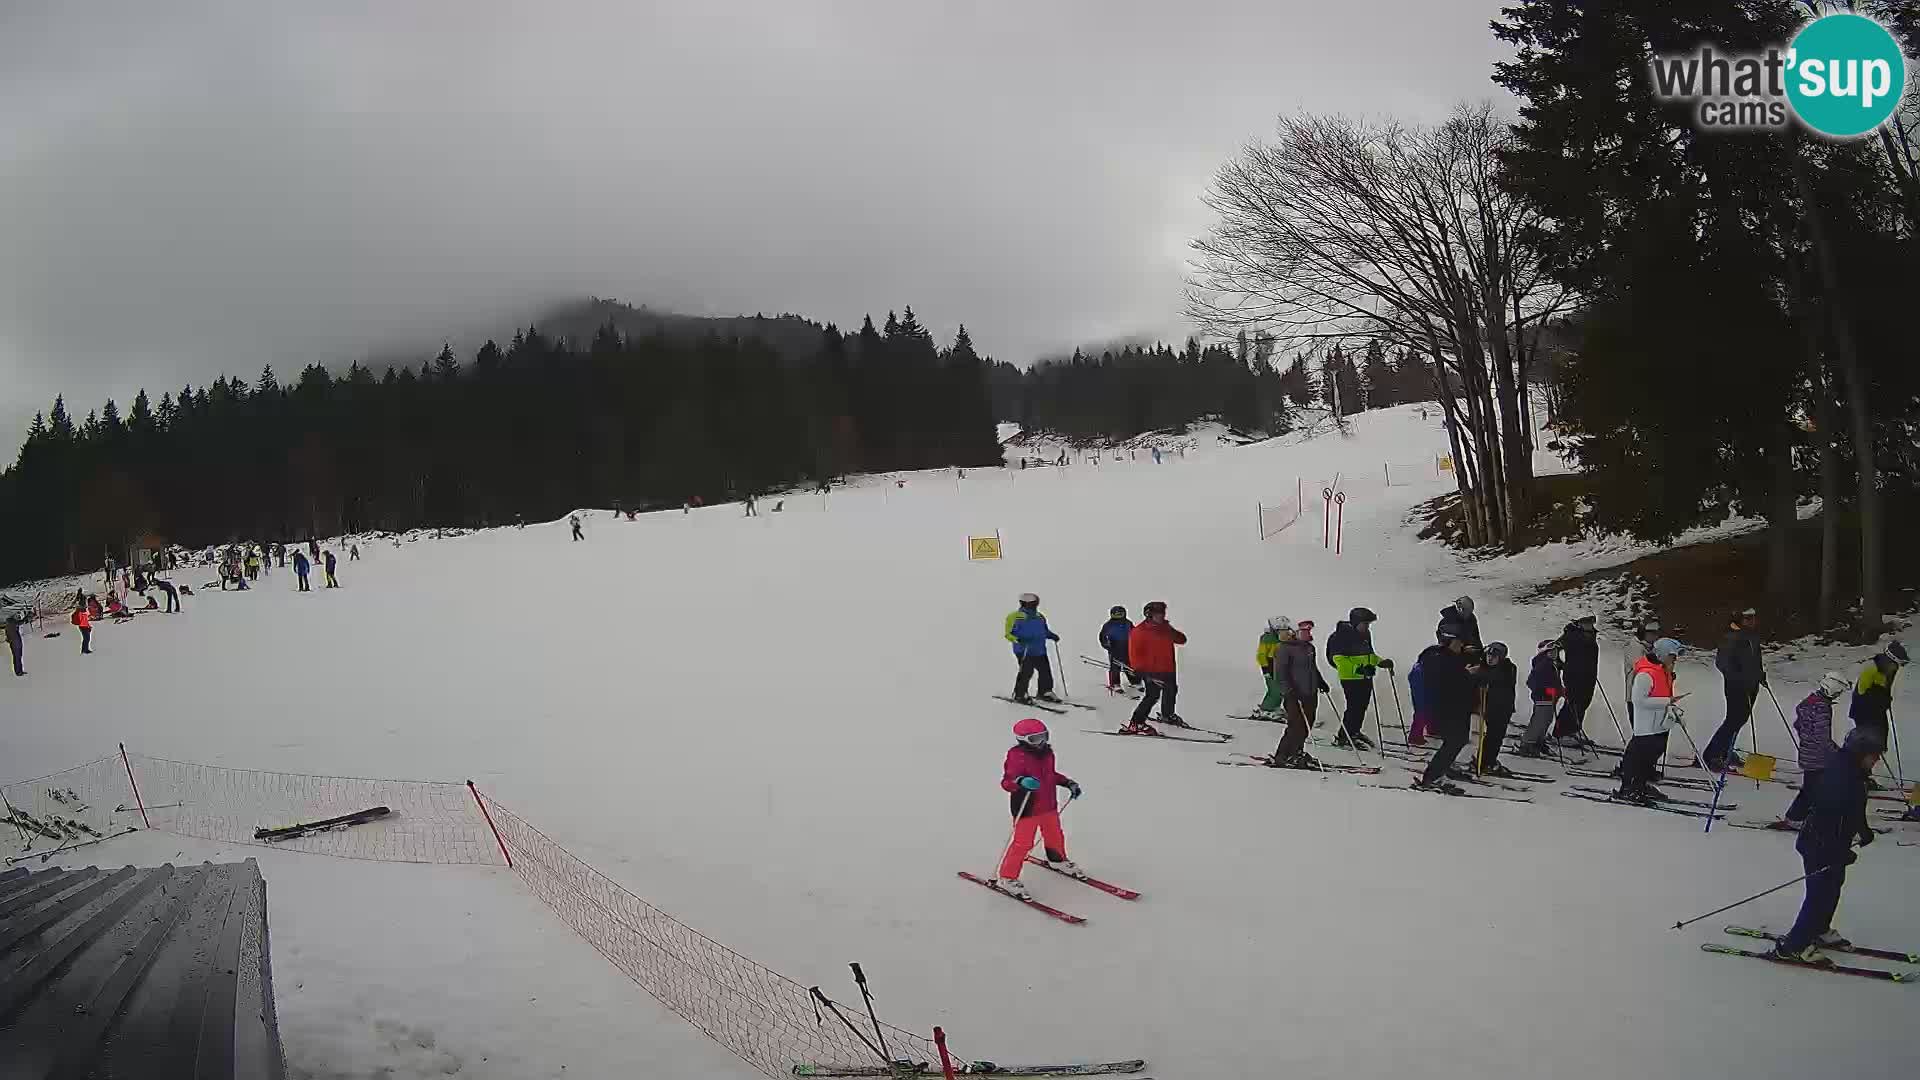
{"x":1113,"y":638}
{"x":1350,"y":651}
{"x":1837,"y":820}
{"x":1502,"y":683}
{"x":1027,"y":630}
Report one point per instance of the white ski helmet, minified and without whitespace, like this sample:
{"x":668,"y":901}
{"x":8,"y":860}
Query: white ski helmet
{"x":1280,"y":624}
{"x":1833,"y":684}
{"x":1666,"y":649}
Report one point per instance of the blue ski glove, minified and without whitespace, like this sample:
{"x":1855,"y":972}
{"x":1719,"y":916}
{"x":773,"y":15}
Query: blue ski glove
{"x":1029,"y":783}
{"x":1074,"y":789}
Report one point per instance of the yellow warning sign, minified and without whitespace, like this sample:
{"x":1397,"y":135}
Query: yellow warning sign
{"x":983,"y":547}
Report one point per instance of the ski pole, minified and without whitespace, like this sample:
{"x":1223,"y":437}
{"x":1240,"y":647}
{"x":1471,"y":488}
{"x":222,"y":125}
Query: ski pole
{"x":1014,"y":833}
{"x":1688,"y":922}
{"x":1617,"y":729}
{"x":1052,"y":653}
{"x":820,"y":999}
{"x":1393,"y":681}
{"x":1340,"y":722}
{"x":1380,"y":732}
{"x":1784,"y":722}
{"x":860,"y":977}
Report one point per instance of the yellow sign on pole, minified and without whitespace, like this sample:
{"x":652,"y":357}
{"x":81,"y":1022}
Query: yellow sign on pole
{"x":1446,"y":462}
{"x":983,"y":547}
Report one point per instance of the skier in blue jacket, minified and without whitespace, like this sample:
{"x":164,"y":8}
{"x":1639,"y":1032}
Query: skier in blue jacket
{"x":1837,"y":820}
{"x":1113,"y":638}
{"x":1027,"y":630}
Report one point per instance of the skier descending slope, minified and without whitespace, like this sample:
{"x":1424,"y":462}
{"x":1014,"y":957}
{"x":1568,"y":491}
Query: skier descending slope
{"x":1030,"y":780}
{"x":1350,"y":651}
{"x":1651,"y":707}
{"x":1113,"y":638}
{"x":1839,"y":815}
{"x":1450,"y":680}
{"x":1298,"y":677}
{"x":1150,"y":652}
{"x":1027,"y":630}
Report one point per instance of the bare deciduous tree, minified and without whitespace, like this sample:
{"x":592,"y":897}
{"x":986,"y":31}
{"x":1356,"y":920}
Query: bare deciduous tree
{"x":1342,"y":229}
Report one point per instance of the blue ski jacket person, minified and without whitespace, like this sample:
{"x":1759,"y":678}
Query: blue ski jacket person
{"x":1416,"y":687}
{"x":1839,"y":812}
{"x":1027,"y":630}
{"x":1113,"y":638}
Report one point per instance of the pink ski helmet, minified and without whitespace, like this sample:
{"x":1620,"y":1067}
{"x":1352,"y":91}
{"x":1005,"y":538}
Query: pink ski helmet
{"x":1030,"y":731}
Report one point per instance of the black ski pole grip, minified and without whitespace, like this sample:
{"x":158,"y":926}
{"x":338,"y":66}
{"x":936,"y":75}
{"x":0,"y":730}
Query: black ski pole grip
{"x":858,"y":975}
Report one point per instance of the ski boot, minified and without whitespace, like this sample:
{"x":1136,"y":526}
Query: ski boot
{"x":1653,"y":794}
{"x":1305,"y":761}
{"x":1346,"y":741}
{"x":1440,"y":787}
{"x":1499,"y":770}
{"x":1528,"y":751}
{"x":1808,"y":955}
{"x":1047,"y":696}
{"x":1633,"y":796}
{"x":1458,"y":772}
{"x":1174,"y":720}
{"x":1067,"y":867}
{"x":1013,"y":887}
{"x":1266,"y":714}
{"x":1831,"y":939}
{"x":1138,"y":727}
{"x":1020,"y":698}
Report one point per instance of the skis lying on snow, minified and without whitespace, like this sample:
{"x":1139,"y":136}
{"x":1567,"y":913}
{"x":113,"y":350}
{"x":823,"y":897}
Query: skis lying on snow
{"x":1267,"y":760}
{"x":70,"y":845}
{"x":1041,"y":705}
{"x":1822,"y":964}
{"x":1063,"y":916}
{"x":976,"y":1068}
{"x":326,"y":824}
{"x":1664,"y":802}
{"x":1895,"y":955}
{"x":1662,"y":807}
{"x":1453,"y":794}
{"x":1104,"y":886}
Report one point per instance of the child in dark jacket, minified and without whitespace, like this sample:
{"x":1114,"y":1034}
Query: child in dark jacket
{"x":1502,"y":679}
{"x":1837,"y":819}
{"x":1545,"y":689}
{"x":1113,"y":638}
{"x":1030,"y":778}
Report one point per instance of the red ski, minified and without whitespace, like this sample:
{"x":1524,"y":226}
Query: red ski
{"x":1035,"y":904}
{"x":1104,"y":886}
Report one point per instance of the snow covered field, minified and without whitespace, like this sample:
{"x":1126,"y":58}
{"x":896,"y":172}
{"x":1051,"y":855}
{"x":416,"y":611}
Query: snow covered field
{"x":780,"y":730}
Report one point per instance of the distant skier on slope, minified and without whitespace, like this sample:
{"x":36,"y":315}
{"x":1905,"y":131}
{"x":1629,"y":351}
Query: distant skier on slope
{"x":1113,"y":638}
{"x":1651,"y":705}
{"x":1744,"y":673}
{"x":1030,"y":779}
{"x":1452,"y":681}
{"x":1028,"y":631}
{"x":1545,"y":688}
{"x":1813,"y":731}
{"x":301,"y":567}
{"x":327,"y":563}
{"x":1580,"y":668}
{"x":1150,"y":652}
{"x":1350,"y":651}
{"x":1501,"y":680}
{"x":573,"y":520}
{"x":1301,"y":684}
{"x":1838,"y":817}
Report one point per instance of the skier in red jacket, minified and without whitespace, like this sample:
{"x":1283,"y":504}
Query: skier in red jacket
{"x":1030,"y":780}
{"x":1150,"y":652}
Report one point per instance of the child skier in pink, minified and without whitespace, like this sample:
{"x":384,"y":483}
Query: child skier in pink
{"x":1030,"y":781}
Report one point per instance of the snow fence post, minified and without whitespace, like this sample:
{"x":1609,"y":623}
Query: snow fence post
{"x":135,"y":787}
{"x":946,"y":1062}
{"x":481,"y":803}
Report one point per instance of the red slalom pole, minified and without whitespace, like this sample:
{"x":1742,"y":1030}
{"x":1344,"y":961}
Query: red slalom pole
{"x":135,"y":787}
{"x":481,"y":803}
{"x":946,"y":1063}
{"x":1339,"y":519}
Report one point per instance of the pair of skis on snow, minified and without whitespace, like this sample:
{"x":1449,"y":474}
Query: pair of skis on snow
{"x":1823,"y":963}
{"x":308,"y":828}
{"x":1064,"y":916}
{"x":1059,"y":708}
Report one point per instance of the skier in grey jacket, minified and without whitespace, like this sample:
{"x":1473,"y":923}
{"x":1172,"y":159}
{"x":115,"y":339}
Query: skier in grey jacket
{"x":1298,"y":673}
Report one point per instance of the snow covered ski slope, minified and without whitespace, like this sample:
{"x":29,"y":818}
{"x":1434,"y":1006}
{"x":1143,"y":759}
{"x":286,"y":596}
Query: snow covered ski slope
{"x":781,"y":729}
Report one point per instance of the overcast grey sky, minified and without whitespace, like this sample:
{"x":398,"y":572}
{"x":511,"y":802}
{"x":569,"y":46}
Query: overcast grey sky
{"x":187,"y":189}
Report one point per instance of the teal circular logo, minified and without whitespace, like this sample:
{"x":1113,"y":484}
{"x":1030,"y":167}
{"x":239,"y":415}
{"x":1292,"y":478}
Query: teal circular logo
{"x":1845,"y":75}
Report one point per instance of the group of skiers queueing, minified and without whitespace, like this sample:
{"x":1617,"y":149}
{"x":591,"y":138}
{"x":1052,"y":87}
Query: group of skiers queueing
{"x":1458,"y":677}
